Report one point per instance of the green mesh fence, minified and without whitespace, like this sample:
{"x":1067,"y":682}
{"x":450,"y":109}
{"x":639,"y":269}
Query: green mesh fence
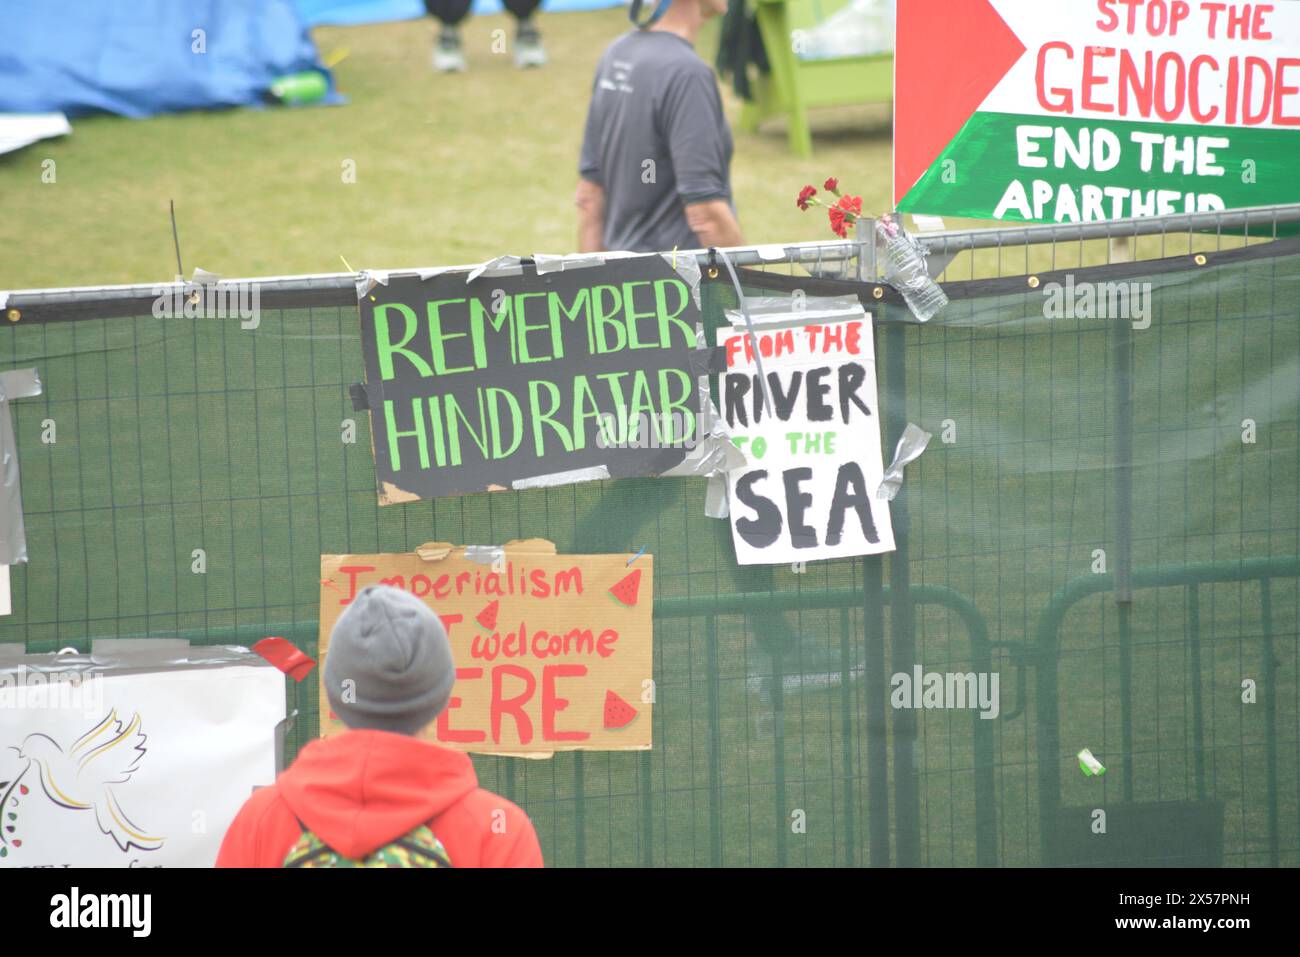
{"x":1107,"y":517}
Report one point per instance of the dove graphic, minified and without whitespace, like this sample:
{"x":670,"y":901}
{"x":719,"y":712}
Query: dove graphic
{"x":81,"y":777}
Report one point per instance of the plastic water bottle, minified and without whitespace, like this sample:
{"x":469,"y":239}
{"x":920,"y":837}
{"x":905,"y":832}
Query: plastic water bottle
{"x":906,"y":269}
{"x":299,"y":88}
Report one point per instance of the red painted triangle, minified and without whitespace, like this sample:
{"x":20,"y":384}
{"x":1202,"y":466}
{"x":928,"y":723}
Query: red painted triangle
{"x":948,"y":56}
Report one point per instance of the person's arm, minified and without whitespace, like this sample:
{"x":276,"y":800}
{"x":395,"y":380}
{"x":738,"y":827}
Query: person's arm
{"x":713,"y":223}
{"x":696,"y":131}
{"x":590,"y":200}
{"x":590,"y":195}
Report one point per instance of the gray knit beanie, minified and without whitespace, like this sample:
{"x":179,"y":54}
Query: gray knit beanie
{"x":388,"y":667}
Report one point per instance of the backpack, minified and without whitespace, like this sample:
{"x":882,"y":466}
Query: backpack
{"x":416,"y":848}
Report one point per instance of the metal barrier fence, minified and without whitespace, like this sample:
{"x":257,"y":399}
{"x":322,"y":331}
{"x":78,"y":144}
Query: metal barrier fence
{"x":1056,"y":437}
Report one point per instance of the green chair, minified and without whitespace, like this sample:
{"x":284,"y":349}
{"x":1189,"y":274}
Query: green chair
{"x":795,"y":85}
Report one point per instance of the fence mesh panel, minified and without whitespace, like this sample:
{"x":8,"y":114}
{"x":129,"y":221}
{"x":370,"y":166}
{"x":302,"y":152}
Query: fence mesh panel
{"x":1108,"y":517}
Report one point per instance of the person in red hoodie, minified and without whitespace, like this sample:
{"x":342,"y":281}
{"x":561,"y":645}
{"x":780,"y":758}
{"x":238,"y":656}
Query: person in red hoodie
{"x":388,"y":675}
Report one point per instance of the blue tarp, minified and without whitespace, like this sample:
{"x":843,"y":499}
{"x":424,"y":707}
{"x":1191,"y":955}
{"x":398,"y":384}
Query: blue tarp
{"x":374,"y":11}
{"x":138,"y":57}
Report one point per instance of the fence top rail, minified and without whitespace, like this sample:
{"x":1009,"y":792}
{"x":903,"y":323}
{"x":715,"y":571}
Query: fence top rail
{"x":829,"y":251}
{"x":1039,"y":233}
{"x":342,"y":283}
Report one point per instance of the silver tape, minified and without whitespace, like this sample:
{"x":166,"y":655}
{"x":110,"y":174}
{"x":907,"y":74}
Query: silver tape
{"x":204,"y":278}
{"x":368,"y":279}
{"x":910,"y":446}
{"x":774,"y":311}
{"x":547,"y":263}
{"x":144,"y":659}
{"x":689,"y":269}
{"x":714,"y":452}
{"x":430,"y":273}
{"x":485,"y":554}
{"x":501,"y":266}
{"x":561,"y":478}
{"x":18,"y":384}
{"x":716,"y":503}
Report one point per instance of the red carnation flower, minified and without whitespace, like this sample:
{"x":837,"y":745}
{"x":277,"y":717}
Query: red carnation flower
{"x":831,"y":185}
{"x":851,"y":204}
{"x":837,"y":222}
{"x":805,"y":195}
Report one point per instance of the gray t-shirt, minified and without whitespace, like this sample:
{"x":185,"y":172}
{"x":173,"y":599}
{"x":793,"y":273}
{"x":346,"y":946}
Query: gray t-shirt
{"x":656,"y":139}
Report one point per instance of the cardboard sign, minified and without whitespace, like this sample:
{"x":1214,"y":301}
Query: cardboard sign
{"x":132,"y":765}
{"x":511,"y":381}
{"x":1084,"y":110}
{"x":809,"y":489}
{"x":552,"y":652}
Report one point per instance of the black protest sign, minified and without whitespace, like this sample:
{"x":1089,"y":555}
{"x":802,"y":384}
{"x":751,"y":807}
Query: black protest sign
{"x":809,"y":488}
{"x":511,"y":381}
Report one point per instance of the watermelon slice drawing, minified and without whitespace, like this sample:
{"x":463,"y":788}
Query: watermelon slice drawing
{"x":488,"y":616}
{"x":618,"y":713}
{"x":626,"y":590}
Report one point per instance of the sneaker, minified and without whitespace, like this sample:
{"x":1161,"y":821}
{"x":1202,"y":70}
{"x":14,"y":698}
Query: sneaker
{"x":447,"y":54}
{"x":528,"y":46}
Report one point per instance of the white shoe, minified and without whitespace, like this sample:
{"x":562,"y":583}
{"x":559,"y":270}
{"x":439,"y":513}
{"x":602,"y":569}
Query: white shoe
{"x":447,"y":54}
{"x":528,"y":47}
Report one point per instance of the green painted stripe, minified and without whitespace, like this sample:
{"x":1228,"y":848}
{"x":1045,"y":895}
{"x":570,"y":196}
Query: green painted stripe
{"x":973,"y":173}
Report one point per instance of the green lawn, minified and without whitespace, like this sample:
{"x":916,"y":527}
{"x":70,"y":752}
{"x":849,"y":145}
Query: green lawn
{"x":449,"y":169}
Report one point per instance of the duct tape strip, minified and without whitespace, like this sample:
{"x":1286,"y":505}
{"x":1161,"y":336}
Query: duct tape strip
{"x":910,"y":446}
{"x":368,"y":279}
{"x":561,"y":478}
{"x":716,"y":503}
{"x":197,"y":283}
{"x":547,"y":263}
{"x":709,"y":360}
{"x":501,"y":266}
{"x":425,"y":274}
{"x":168,"y":657}
{"x":17,"y":384}
{"x":775,"y":311}
{"x":360,"y":394}
{"x":286,"y":656}
{"x":689,"y":269}
{"x":714,"y":453}
{"x":4,"y":299}
{"x":713,"y":456}
{"x":485,"y":554}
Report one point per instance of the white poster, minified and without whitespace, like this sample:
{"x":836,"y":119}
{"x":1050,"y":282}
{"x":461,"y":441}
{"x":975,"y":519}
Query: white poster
{"x":127,"y":767}
{"x":808,"y":491}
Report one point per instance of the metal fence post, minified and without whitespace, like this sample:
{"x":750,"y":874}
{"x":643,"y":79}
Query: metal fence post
{"x":875,"y":678}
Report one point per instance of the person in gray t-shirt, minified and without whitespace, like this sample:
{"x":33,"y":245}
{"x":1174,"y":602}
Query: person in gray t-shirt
{"x":654,"y":171}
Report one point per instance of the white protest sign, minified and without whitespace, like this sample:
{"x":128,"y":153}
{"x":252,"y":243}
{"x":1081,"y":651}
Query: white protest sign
{"x":808,"y":491}
{"x":132,"y":766}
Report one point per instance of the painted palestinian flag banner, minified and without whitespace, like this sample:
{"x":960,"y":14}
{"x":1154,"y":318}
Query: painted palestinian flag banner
{"x":1085,"y":110}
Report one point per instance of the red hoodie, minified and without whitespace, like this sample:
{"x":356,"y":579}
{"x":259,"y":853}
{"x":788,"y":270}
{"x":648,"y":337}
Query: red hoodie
{"x":360,"y":790}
